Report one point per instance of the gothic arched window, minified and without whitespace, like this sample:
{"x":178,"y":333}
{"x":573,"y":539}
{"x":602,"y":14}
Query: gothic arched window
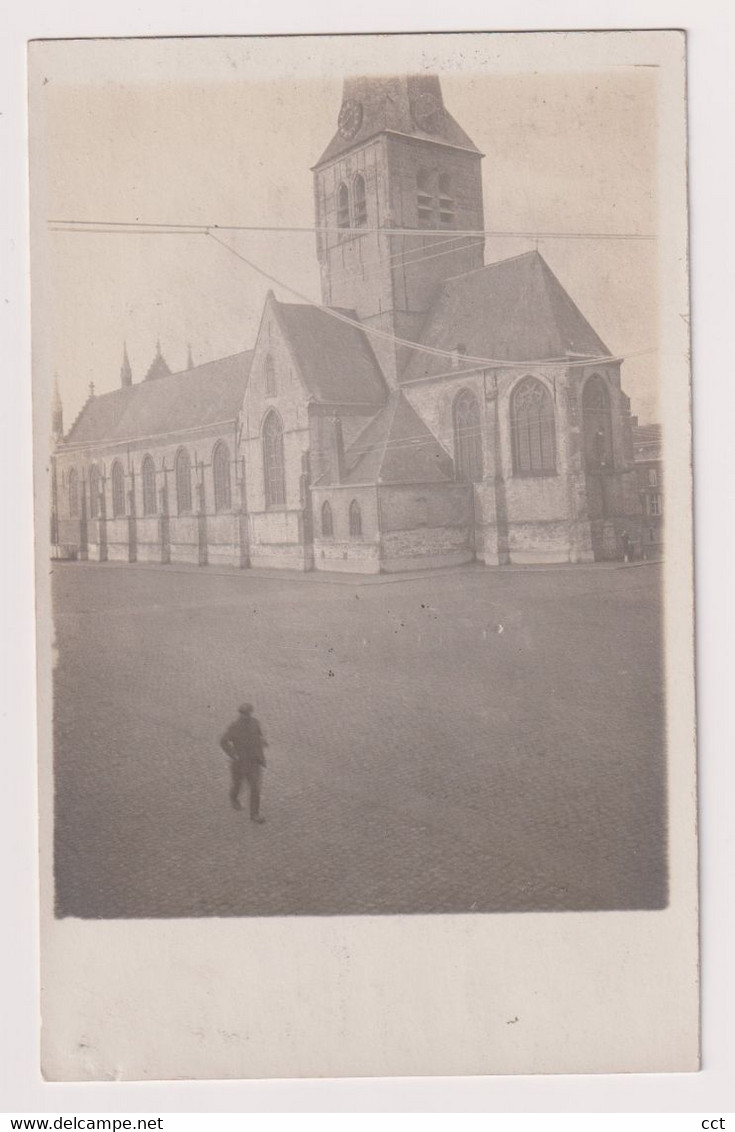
{"x":269,"y":368}
{"x":118,"y":490}
{"x":467,"y":438}
{"x":273,"y":467}
{"x":597,"y":421}
{"x":343,"y":207}
{"x":533,"y":429}
{"x":355,"y":520}
{"x":148,"y":475}
{"x":73,"y":494}
{"x":360,"y":201}
{"x":94,"y":492}
{"x":221,"y":476}
{"x":327,"y":523}
{"x":183,"y":482}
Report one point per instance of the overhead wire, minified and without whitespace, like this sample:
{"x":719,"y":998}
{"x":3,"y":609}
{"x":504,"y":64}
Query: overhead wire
{"x":366,"y":228}
{"x":142,"y":227}
{"x":416,"y":346}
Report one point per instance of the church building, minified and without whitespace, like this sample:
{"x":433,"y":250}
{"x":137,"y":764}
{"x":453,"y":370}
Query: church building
{"x":432,"y":410}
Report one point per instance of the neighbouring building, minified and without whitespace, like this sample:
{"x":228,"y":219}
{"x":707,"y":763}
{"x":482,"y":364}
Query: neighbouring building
{"x":433,"y":410}
{"x":647,"y":450}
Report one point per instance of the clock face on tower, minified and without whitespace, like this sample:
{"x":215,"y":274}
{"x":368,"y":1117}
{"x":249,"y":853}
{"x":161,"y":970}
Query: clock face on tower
{"x":350,"y":118}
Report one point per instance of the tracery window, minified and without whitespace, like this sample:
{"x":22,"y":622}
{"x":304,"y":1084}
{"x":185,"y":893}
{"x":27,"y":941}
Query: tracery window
{"x":148,"y":475}
{"x":118,"y":490}
{"x":355,"y":520}
{"x":327,"y":521}
{"x":533,"y":429}
{"x":360,"y":202}
{"x":467,"y":438}
{"x":221,"y":476}
{"x":94,"y":492}
{"x":597,"y":418}
{"x":73,"y":494}
{"x":343,"y":207}
{"x":273,"y":466}
{"x":183,"y":482}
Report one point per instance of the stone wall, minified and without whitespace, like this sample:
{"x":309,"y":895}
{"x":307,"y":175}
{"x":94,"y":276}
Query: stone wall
{"x":343,"y":551}
{"x":278,"y":534}
{"x":200,"y":535}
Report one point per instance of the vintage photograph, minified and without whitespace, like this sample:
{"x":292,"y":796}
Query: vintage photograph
{"x":357,"y":490}
{"x":364,"y":555}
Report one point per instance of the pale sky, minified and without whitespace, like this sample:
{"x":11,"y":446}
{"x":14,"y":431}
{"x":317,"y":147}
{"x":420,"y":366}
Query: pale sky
{"x":119,"y":132}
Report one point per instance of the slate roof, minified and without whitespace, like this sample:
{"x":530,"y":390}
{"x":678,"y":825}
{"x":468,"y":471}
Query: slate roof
{"x":647,"y":440}
{"x":513,"y":310}
{"x":395,"y":448}
{"x":208,"y":394}
{"x":336,"y":359}
{"x":389,"y":104}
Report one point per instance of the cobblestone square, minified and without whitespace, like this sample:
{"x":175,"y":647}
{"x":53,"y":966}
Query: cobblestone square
{"x":464,"y":741}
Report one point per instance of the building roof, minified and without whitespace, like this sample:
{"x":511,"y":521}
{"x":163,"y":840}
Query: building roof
{"x":335,"y":359}
{"x":513,"y":310}
{"x":647,"y":441}
{"x":207,"y":394}
{"x":395,"y":448}
{"x":402,"y":104}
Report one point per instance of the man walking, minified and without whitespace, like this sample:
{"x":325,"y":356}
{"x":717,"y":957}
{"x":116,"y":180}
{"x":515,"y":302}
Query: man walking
{"x":243,"y":743}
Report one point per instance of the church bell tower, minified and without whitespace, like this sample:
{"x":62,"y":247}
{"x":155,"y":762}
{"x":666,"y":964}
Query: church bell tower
{"x":398,"y":178}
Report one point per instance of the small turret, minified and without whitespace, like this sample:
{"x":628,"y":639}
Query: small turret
{"x":126,"y":374}
{"x":159,"y":366}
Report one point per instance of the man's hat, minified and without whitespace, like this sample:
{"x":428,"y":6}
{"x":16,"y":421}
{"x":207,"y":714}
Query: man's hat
{"x":245,"y":709}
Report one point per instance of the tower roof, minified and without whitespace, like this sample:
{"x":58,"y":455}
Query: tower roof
{"x":412,"y":105}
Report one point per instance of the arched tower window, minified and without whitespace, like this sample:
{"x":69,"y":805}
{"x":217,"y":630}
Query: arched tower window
{"x":94,"y":492}
{"x":118,"y":490}
{"x":533,"y":429}
{"x":221,"y":476}
{"x":446,"y":200}
{"x":327,"y":523}
{"x":273,"y":467}
{"x":424,"y":199}
{"x":183,"y":482}
{"x":73,"y":494}
{"x":597,"y":423}
{"x":269,"y":368}
{"x":360,"y":201}
{"x":355,"y":520}
{"x":148,"y":475}
{"x":467,"y":438}
{"x":343,"y":207}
